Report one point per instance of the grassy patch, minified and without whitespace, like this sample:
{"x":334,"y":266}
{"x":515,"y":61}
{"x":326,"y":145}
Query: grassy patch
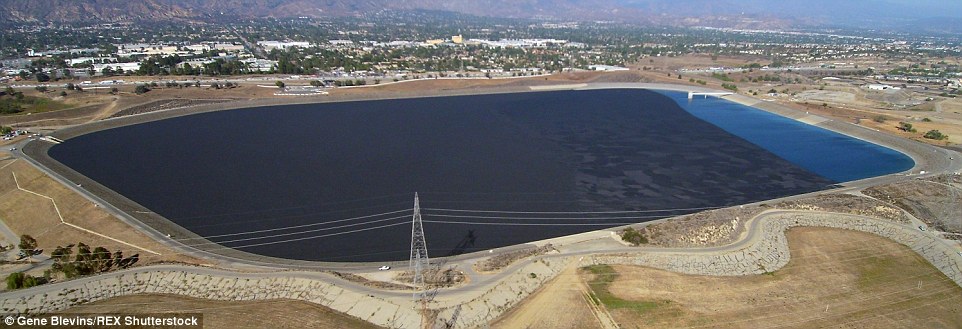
{"x":28,"y":104}
{"x":874,"y":271}
{"x":602,"y":277}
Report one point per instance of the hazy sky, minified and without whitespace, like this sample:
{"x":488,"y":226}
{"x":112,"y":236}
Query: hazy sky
{"x":839,"y":9}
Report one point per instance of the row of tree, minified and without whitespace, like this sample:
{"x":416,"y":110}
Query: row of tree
{"x":87,"y":261}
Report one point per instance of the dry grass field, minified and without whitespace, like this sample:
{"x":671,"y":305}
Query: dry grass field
{"x":229,"y":314}
{"x":26,"y":213}
{"x":561,"y":303}
{"x":836,"y":278}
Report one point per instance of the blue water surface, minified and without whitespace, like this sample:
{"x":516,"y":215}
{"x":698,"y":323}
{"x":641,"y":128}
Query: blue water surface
{"x":827,"y":153}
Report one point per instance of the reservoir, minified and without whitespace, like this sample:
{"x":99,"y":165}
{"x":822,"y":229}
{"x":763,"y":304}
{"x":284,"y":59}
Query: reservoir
{"x":336,"y":181}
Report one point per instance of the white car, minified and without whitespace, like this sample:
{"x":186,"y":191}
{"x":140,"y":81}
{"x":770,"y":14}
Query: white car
{"x":384,"y":268}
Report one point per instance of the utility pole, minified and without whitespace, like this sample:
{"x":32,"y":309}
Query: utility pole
{"x":419,"y":260}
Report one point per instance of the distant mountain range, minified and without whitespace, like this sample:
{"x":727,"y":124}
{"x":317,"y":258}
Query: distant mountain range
{"x":720,"y":13}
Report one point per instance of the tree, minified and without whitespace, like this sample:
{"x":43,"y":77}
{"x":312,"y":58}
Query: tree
{"x":42,"y":77}
{"x":102,"y":259}
{"x":113,"y":90}
{"x":27,"y":243}
{"x":19,"y":280}
{"x":279,"y":84}
{"x":906,"y":127}
{"x":15,"y":280}
{"x":42,"y":89}
{"x":71,"y":86}
{"x":61,"y":261}
{"x":82,"y":262}
{"x":316,"y":83}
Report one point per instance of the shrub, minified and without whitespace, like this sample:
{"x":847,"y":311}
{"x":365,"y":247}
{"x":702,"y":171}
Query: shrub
{"x":633,"y":236}
{"x":936,"y":135}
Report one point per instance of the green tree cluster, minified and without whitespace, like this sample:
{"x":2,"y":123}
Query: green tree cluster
{"x":87,"y":261}
{"x":27,"y":243}
{"x":19,"y":280}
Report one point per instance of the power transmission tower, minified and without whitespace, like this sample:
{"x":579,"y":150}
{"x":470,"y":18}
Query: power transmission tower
{"x":419,"y":253}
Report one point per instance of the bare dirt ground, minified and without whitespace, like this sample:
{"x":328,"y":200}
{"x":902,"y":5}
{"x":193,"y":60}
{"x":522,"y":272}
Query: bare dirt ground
{"x":229,"y":314}
{"x":702,"y":229}
{"x":938,"y":202}
{"x":723,"y":226}
{"x":26,"y":213}
{"x":836,"y":278}
{"x":560,"y":303}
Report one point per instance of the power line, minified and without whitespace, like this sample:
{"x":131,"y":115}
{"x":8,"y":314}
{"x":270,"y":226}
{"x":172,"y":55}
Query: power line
{"x":529,"y":224}
{"x":545,"y":218}
{"x":308,"y":231}
{"x":569,"y":212}
{"x":314,"y":237}
{"x":275,"y":218}
{"x":292,"y":207}
{"x":295,"y":226}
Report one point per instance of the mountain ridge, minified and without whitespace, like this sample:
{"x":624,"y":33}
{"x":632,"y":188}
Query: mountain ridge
{"x":719,"y":13}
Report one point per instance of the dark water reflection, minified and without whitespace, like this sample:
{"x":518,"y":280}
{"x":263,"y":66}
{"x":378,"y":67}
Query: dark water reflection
{"x":318,"y":166}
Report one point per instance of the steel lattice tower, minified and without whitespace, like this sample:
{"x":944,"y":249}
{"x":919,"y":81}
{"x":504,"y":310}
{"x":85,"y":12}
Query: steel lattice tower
{"x":419,"y":252}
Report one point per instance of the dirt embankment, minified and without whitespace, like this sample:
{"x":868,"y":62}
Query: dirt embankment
{"x":847,"y":204}
{"x":707,"y":228}
{"x":938,"y":203}
{"x":370,"y":283}
{"x":500,"y":261}
{"x":723,"y":226}
{"x":165,"y":104}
